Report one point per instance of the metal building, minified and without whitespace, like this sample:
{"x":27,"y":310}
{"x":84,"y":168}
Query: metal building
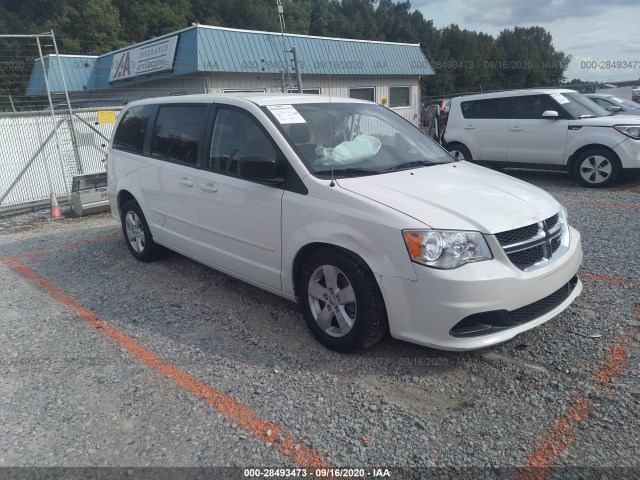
{"x":206,"y":59}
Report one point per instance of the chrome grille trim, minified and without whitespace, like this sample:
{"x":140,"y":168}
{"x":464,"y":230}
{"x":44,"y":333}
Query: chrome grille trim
{"x":544,"y":247}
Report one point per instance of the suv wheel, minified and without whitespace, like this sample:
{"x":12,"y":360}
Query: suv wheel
{"x":341,"y":302}
{"x":137,"y":234}
{"x":460,"y":152}
{"x":597,"y":168}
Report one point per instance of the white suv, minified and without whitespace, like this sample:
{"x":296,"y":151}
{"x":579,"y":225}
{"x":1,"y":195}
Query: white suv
{"x":554,"y":129}
{"x":347,"y":208}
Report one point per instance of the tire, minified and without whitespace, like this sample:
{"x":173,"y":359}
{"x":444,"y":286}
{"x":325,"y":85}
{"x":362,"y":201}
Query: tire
{"x":597,"y":168}
{"x":460,"y":152}
{"x":137,"y":235}
{"x":326,"y":275}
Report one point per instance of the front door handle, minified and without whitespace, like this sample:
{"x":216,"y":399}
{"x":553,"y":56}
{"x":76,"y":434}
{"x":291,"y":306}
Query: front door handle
{"x":516,"y":128}
{"x":469,"y":127}
{"x":208,"y":187}
{"x":185,"y":181}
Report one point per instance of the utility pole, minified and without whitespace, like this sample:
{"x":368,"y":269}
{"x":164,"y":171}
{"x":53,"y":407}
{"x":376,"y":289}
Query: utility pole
{"x":282,"y":27}
{"x":296,"y":65}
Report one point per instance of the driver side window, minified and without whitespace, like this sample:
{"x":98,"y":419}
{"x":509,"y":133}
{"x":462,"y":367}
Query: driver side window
{"x":236,"y":135}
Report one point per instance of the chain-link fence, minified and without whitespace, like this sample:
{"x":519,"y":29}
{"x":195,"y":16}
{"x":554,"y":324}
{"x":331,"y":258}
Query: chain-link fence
{"x":43,"y":142}
{"x":38,"y":155}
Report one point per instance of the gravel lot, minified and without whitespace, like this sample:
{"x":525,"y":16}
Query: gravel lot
{"x":71,"y":397}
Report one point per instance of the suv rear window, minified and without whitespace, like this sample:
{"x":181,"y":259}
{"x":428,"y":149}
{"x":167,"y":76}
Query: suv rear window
{"x":491,"y":108}
{"x":132,"y":128}
{"x":177,"y":132}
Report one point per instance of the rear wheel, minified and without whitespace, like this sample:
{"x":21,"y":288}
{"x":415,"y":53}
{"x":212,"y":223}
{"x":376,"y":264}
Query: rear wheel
{"x":597,"y":168}
{"x":460,"y":152}
{"x":341,"y":302}
{"x":137,"y":234}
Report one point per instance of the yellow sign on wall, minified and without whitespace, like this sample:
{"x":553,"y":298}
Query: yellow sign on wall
{"x":106,"y":116}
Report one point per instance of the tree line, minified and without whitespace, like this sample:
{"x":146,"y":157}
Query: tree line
{"x":464,"y":60}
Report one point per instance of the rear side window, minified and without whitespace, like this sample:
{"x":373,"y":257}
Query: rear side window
{"x":177,"y":132}
{"x":491,"y":108}
{"x":132,"y":128}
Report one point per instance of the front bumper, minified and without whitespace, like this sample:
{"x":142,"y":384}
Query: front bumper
{"x":425,"y":311}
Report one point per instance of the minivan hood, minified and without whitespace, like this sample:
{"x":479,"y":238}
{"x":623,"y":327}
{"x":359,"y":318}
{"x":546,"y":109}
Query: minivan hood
{"x":458,"y":196}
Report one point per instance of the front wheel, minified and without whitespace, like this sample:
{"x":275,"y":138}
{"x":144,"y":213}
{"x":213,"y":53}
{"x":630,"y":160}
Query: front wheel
{"x":597,"y":168}
{"x":137,"y":234}
{"x":341,"y":302}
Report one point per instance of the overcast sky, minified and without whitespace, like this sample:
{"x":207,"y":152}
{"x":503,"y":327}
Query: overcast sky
{"x":600,"y":30}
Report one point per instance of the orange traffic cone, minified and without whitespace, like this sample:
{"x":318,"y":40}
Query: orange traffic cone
{"x":55,"y":208}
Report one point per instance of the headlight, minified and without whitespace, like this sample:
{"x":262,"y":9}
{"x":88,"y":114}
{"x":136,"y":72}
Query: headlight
{"x":563,"y":215}
{"x":632,"y":131}
{"x":445,"y":248}
{"x":563,"y":218}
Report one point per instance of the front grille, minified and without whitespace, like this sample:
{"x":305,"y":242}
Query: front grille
{"x":539,"y":308}
{"x":552,"y":221}
{"x":533,"y":245}
{"x":486,"y":323}
{"x":517,"y":235}
{"x":528,"y":257}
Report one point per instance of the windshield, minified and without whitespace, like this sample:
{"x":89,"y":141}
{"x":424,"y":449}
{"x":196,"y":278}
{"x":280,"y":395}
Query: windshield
{"x":354,"y":139}
{"x":579,"y":106}
{"x":625,"y":103}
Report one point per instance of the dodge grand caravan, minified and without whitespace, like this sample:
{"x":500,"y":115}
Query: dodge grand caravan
{"x":545,"y":128}
{"x":346,"y":208}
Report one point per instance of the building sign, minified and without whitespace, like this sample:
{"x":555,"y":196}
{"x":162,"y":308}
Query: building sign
{"x":106,"y":116}
{"x":148,"y":59}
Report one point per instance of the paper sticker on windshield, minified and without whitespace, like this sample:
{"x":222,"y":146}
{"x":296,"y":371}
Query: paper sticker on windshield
{"x":286,"y":114}
{"x":560,"y":98}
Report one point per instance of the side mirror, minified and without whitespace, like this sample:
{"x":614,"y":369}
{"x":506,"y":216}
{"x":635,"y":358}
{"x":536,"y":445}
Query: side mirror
{"x":550,"y":114}
{"x":613,"y":108}
{"x":260,"y":168}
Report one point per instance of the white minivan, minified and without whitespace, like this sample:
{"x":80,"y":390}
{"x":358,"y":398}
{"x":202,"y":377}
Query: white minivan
{"x":555,"y":129}
{"x":348,"y":209}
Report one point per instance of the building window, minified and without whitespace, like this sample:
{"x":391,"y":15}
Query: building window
{"x":399,"y":97}
{"x":365,"y":93}
{"x":177,"y":132}
{"x":312,"y":91}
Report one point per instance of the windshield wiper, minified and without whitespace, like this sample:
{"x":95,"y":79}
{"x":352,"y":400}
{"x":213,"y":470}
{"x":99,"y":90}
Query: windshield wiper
{"x":347,"y":172}
{"x":586,"y":116}
{"x":406,"y":165}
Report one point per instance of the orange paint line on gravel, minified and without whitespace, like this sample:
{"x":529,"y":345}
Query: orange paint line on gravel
{"x":600,"y":204}
{"x":563,"y":432}
{"x":79,"y":243}
{"x":611,"y":280}
{"x":228,"y":406}
{"x":536,"y":467}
